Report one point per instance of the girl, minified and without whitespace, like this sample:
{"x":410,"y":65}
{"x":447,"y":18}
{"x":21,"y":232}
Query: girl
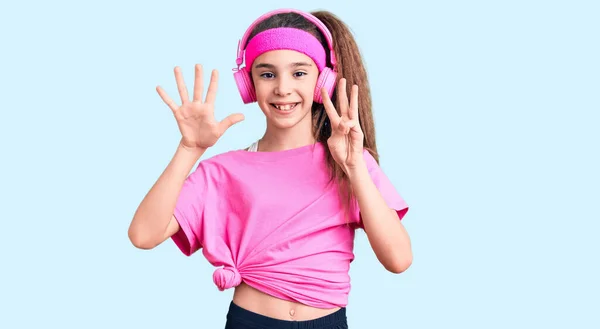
{"x":278,"y":219}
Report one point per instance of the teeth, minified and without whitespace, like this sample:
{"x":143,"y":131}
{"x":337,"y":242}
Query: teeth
{"x":285,"y":107}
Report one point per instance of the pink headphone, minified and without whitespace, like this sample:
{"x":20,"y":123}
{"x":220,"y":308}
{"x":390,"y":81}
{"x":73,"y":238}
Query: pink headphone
{"x":327,"y":76}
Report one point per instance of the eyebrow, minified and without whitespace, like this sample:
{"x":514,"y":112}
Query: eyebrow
{"x":271,"y":66}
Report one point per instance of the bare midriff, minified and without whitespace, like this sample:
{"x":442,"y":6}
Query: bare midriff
{"x":258,"y":302}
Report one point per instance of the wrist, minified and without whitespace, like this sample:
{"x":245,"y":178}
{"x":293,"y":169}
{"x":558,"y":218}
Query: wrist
{"x":194,"y":152}
{"x":357,"y":172}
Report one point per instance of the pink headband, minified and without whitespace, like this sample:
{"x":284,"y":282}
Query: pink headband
{"x":285,"y":38}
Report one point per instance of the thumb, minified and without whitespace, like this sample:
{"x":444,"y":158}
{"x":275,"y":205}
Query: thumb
{"x":343,"y":128}
{"x":230,"y":120}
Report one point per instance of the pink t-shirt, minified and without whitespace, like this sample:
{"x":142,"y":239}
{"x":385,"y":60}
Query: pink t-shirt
{"x":275,"y":221}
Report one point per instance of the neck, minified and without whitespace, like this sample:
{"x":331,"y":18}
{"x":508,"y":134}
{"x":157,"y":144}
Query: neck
{"x":277,"y":139}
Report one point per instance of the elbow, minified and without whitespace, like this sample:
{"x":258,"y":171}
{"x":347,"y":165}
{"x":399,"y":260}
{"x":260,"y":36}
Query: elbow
{"x":140,"y":240}
{"x":399,"y":265}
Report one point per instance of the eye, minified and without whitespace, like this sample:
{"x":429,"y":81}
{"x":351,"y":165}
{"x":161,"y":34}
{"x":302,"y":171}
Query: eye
{"x":267,"y":75}
{"x":300,"y":74}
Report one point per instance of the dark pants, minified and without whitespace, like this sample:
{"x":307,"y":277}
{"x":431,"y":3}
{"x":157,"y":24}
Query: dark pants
{"x":239,"y":318}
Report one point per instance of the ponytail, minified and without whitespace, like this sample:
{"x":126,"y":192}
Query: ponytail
{"x":351,"y":67}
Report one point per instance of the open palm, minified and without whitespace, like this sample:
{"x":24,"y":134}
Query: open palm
{"x":196,"y":118}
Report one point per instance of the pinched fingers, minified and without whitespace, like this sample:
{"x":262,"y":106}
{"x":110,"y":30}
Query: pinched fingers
{"x":345,"y":126}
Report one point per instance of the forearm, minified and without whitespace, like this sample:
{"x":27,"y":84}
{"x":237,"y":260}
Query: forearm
{"x":387,"y":236}
{"x":156,"y":209}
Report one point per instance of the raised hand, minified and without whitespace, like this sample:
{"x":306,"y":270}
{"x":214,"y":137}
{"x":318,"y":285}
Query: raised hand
{"x":346,"y":141}
{"x":196,"y":118}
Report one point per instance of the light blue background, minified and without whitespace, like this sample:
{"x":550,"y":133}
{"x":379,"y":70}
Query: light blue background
{"x":487,"y":122}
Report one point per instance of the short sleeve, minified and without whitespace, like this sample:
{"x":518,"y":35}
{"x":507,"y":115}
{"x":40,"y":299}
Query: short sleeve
{"x":389,"y":193}
{"x":189,"y":212}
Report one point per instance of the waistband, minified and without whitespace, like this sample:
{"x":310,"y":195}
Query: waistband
{"x":237,"y":313}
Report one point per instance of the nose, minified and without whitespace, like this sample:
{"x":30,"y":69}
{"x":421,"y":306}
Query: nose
{"x":284,"y":86}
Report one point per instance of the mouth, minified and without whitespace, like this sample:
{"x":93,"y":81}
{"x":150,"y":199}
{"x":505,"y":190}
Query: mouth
{"x":284,"y":107}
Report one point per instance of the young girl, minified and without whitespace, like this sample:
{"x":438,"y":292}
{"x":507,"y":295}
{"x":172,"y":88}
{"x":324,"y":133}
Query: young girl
{"x":278,"y":219}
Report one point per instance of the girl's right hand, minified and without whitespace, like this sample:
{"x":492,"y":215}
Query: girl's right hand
{"x":196,"y":119}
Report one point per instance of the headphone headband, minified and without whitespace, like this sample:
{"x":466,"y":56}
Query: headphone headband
{"x":311,"y":18}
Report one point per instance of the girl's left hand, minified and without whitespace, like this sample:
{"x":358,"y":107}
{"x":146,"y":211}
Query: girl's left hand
{"x":346,"y":141}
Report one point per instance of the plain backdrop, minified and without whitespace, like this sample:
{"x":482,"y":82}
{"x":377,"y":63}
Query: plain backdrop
{"x":487,"y":124}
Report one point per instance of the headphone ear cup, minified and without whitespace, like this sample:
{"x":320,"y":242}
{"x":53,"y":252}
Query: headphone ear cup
{"x":244,"y":83}
{"x":327,"y":79}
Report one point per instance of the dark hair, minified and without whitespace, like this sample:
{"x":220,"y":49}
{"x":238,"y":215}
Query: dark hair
{"x":349,"y":66}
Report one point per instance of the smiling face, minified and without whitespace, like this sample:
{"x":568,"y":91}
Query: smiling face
{"x":284,"y":81}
